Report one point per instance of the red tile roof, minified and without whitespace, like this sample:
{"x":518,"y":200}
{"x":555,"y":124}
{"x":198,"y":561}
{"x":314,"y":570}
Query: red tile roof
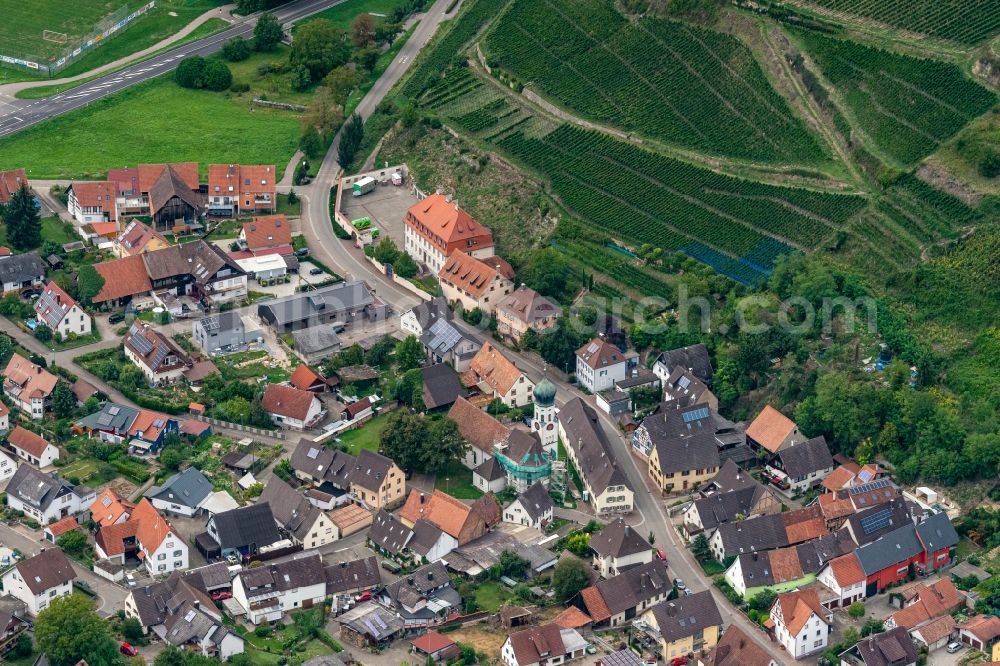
{"x":10,"y":182}
{"x":137,"y":236}
{"x":770,"y":428}
{"x":431,"y":642}
{"x":27,"y":441}
{"x":108,"y":508}
{"x":538,"y":644}
{"x":572,"y":618}
{"x":305,"y":378}
{"x":122,"y":277}
{"x":60,"y":527}
{"x":34,"y":381}
{"x":97,"y":194}
{"x":443,"y":222}
{"x":847,"y":570}
{"x":471,"y":275}
{"x":477,"y":427}
{"x":492,"y":367}
{"x":599,"y":353}
{"x":839,"y":478}
{"x":798,"y":607}
{"x":596,"y":606}
{"x":267,"y":231}
{"x":287,"y":401}
{"x":150,"y":173}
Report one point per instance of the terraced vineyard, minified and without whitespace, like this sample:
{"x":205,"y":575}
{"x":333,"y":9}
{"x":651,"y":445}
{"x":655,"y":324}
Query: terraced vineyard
{"x":965,"y":21}
{"x":663,"y":79}
{"x":906,"y":105}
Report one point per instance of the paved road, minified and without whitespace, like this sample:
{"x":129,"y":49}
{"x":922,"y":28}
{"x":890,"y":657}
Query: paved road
{"x":17,"y":114}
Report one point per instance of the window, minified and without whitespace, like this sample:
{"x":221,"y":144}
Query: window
{"x":161,"y":556}
{"x":177,"y":553}
{"x":162,"y":567}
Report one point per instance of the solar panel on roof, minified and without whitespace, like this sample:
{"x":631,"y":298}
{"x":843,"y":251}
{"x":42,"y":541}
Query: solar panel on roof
{"x":114,"y":410}
{"x":876,"y":521}
{"x":865,"y":475}
{"x":874,"y":485}
{"x":158,"y":423}
{"x":696,"y":415}
{"x":312,"y":453}
{"x":380,"y":621}
{"x":141,"y":344}
{"x":592,"y":348}
{"x":104,"y":420}
{"x":683,"y":382}
{"x":106,"y":501}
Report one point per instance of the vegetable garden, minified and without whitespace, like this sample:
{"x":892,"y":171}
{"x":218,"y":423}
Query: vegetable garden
{"x":965,"y":21}
{"x":664,"y":79}
{"x":906,"y":105}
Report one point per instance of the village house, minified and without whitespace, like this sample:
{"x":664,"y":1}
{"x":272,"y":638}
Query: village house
{"x":479,"y":429}
{"x":705,"y":514}
{"x":38,"y":580}
{"x":533,"y":508}
{"x":351,"y":577}
{"x":496,"y":375}
{"x":767,"y":532}
{"x":444,"y":342}
{"x":422,"y":598}
{"x":390,"y":536}
{"x":588,"y":448}
{"x":683,"y":389}
{"x":735,"y":648}
{"x":144,"y":430}
{"x":305,"y":523}
{"x":617,"y":600}
{"x":454,"y":517}
{"x":236,"y":190}
{"x":599,"y":364}
{"x":222,"y":332}
{"x":269,"y":591}
{"x":8,"y":465}
{"x":291,"y":407}
{"x":32,"y":447}
{"x":244,"y":531}
{"x":266,"y":235}
{"x":57,"y":310}
{"x":11,"y":181}
{"x":890,"y":648}
{"x":772,"y":431}
{"x":338,"y":305}
{"x":46,"y":497}
{"x":166,"y":192}
{"x":525,"y":309}
{"x":475,"y":283}
{"x":694,"y":359}
{"x":981,"y":633}
{"x":933,"y":634}
{"x":182,"y":494}
{"x":546,"y":644}
{"x":4,"y":418}
{"x":159,"y":357}
{"x":198,"y":269}
{"x":435,"y":227}
{"x":422,"y":316}
{"x":125,"y":282}
{"x":28,"y":386}
{"x":442,"y":386}
{"x":684,"y":452}
{"x":21,"y":271}
{"x":784,"y":569}
{"x":147,"y":536}
{"x":618,"y":547}
{"x":801,"y":625}
{"x":844,"y":577}
{"x":137,"y":238}
{"x":375,"y":481}
{"x":923,"y":602}
{"x":800,"y":467}
{"x":110,"y":509}
{"x":90,"y":201}
{"x":326,"y":468}
{"x":685,"y":625}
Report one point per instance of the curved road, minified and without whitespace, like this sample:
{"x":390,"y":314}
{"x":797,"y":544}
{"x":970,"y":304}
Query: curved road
{"x":19,"y":114}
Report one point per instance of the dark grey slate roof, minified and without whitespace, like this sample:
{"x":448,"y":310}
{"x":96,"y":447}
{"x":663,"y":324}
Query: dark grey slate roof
{"x":421,"y":583}
{"x":46,"y":570}
{"x":937,"y":532}
{"x":112,"y":417}
{"x":732,"y":477}
{"x":222,"y":322}
{"x":889,"y":550}
{"x":591,"y":447}
{"x":490,"y":469}
{"x":756,"y":534}
{"x":618,"y":539}
{"x":638,"y":584}
{"x":158,"y":600}
{"x":247,"y":526}
{"x":871,"y":523}
{"x":21,"y":267}
{"x":425,"y":536}
{"x":315,"y":339}
{"x":803,"y":459}
{"x":370,"y":470}
{"x":430,"y":311}
{"x":888,"y":648}
{"x":441,"y":386}
{"x":289,"y":507}
{"x":536,"y":501}
{"x":388,"y":533}
{"x":352,"y":575}
{"x":694,"y":358}
{"x":301,"y":571}
{"x":188,"y":488}
{"x":684,"y":616}
{"x":339,"y":297}
{"x":721,"y":508}
{"x":36,"y":488}
{"x":683,"y":387}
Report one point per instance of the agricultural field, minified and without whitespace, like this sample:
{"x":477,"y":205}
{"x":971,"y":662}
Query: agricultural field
{"x":907,"y":106}
{"x":662,"y":79}
{"x":965,"y":21}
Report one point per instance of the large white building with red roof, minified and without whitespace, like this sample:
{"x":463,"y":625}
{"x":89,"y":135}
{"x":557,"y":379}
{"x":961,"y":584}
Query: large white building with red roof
{"x":147,"y":536}
{"x":60,"y":312}
{"x":435,"y":227}
{"x":92,"y":201}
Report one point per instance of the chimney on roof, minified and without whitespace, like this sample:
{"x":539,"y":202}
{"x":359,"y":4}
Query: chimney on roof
{"x":671,"y":609}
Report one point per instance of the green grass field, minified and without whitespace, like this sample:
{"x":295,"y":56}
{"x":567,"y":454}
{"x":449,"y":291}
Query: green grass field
{"x":365,"y":437}
{"x":342,"y":15}
{"x":81,"y":469}
{"x":666,"y":80}
{"x":188,"y":125}
{"x":456,"y":480}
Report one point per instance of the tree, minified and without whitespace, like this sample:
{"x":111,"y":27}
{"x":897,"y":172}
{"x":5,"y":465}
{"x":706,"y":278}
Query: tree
{"x":403,"y":438}
{"x":172,"y":457}
{"x":131,"y":376}
{"x":216,"y":75}
{"x":23,"y":647}
{"x":989,"y":165}
{"x":74,"y":543}
{"x":63,"y":401}
{"x":570,"y":576}
{"x":89,"y":283}
{"x":763,"y":600}
{"x":267,"y":33}
{"x":511,"y":565}
{"x":559,"y":344}
{"x":700,"y":549}
{"x":24,"y":224}
{"x":189,"y":72}
{"x":404,"y":266}
{"x":386,"y":251}
{"x":236,"y":49}
{"x":856,"y":610}
{"x":69,"y":630}
{"x":548,"y":272}
{"x":341,"y":82}
{"x":367,"y":57}
{"x":579,"y":544}
{"x":444,"y":446}
{"x":301,"y":79}
{"x":311,"y":143}
{"x":43,"y":333}
{"x":324,"y":115}
{"x":409,"y":353}
{"x":320,"y":46}
{"x":363,"y":30}
{"x":350,"y":140}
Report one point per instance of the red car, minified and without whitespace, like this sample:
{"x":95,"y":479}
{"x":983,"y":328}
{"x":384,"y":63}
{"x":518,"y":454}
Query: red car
{"x":660,"y":553}
{"x":679,"y":661}
{"x":219,"y":596}
{"x":127,"y":650}
{"x":364,"y":596}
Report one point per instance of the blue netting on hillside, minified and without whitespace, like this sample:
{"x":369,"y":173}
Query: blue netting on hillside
{"x":762,"y":255}
{"x":741,"y":271}
{"x":619,"y":248}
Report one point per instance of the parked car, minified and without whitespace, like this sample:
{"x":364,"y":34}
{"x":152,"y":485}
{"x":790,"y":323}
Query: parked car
{"x":954,"y":647}
{"x":679,"y":584}
{"x":127,"y":649}
{"x":315,"y":271}
{"x":130,"y":579}
{"x":219,"y":596}
{"x":233,"y":559}
{"x":116,"y":318}
{"x":302,"y":252}
{"x":364,"y":596}
{"x":679,"y":661}
{"x":662,"y":554}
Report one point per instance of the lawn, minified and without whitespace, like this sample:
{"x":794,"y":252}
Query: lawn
{"x":343,"y":14}
{"x":289,"y":209}
{"x":82,"y":469}
{"x":189,"y":125}
{"x":456,"y":480}
{"x":365,"y":437}
{"x":491,"y":596}
{"x":53,"y":229}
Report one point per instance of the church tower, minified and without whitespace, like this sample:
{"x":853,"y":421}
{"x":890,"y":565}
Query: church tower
{"x":544,"y":421}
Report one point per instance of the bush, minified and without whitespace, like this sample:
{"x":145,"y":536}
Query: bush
{"x":989,"y":166}
{"x":262,"y":631}
{"x":856,"y":610}
{"x":236,"y":49}
{"x":189,"y":72}
{"x":216,"y":76}
{"x":240,"y":87}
